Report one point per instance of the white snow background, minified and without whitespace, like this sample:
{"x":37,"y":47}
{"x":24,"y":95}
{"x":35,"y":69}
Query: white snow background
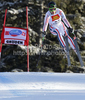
{"x":42,"y":86}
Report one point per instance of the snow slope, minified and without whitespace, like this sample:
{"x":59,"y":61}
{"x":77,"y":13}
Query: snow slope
{"x":42,"y":86}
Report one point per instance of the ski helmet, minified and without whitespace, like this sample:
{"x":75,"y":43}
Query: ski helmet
{"x":51,"y":4}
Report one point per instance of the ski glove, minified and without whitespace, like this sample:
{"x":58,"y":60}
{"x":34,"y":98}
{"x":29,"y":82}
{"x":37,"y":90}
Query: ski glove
{"x":43,"y":34}
{"x":71,"y":29}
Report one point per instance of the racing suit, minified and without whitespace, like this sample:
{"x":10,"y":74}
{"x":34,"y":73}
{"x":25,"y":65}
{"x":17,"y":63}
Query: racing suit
{"x":58,"y":25}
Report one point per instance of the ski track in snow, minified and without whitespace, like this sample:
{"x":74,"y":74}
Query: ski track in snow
{"x":42,"y":86}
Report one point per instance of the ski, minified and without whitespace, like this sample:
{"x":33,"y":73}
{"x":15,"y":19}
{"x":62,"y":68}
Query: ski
{"x":78,"y":52}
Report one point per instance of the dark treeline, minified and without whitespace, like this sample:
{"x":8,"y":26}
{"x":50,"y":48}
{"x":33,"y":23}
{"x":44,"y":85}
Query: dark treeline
{"x":53,"y":57}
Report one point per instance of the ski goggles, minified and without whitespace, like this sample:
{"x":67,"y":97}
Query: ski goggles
{"x":52,"y":9}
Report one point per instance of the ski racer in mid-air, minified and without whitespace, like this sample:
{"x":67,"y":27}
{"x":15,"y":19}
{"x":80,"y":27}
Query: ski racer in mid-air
{"x":58,"y":25}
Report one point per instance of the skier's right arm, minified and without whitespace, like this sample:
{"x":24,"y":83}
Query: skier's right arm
{"x":46,"y":20}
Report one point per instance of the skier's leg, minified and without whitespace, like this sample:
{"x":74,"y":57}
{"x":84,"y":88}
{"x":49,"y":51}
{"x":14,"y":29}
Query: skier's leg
{"x":63,"y":44}
{"x":70,"y":40}
{"x":60,"y":37}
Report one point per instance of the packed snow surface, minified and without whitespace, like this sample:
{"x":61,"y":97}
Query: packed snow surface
{"x":42,"y":86}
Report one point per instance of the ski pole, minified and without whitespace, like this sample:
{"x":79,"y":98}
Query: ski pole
{"x":77,"y":38}
{"x":40,"y":52}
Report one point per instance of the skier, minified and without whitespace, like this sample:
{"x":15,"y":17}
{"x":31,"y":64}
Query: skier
{"x":58,"y":25}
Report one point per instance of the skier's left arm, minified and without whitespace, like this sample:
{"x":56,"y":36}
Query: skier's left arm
{"x":65,"y":21}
